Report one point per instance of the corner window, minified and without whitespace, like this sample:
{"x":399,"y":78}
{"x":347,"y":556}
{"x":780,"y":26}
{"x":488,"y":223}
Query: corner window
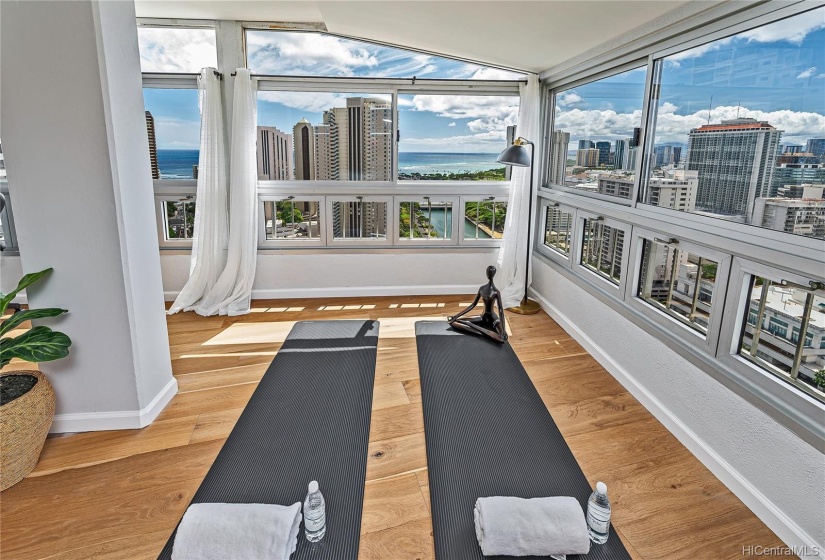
{"x":173,"y":124}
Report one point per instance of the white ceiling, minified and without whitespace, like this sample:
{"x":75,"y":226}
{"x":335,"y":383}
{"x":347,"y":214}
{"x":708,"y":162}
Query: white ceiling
{"x":528,"y":35}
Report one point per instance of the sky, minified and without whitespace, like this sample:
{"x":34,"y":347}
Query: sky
{"x":774,"y":73}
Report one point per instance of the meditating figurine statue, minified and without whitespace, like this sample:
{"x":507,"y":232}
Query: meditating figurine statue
{"x":489,"y":323}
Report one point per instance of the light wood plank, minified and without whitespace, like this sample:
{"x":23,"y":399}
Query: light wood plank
{"x":118,"y":495}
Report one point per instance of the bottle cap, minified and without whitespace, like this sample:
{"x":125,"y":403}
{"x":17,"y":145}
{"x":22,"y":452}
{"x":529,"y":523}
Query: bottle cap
{"x":601,"y":487}
{"x":313,"y":486}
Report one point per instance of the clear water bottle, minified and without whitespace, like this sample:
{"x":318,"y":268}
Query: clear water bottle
{"x":315,"y":515}
{"x":598,"y":514}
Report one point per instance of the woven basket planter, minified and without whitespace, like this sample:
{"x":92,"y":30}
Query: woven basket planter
{"x":24,"y":424}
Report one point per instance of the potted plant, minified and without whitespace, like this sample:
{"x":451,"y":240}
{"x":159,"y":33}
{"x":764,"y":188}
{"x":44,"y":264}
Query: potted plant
{"x":26,"y":396}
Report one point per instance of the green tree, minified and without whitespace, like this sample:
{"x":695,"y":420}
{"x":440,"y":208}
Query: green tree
{"x":290,"y":215}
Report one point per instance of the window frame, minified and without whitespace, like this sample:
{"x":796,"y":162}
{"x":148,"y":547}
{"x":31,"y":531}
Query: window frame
{"x":708,"y":341}
{"x":562,"y":259}
{"x":463,"y":200}
{"x":578,"y":244}
{"x":454,"y":229}
{"x":160,"y":203}
{"x":331,"y":241}
{"x":298,"y":243}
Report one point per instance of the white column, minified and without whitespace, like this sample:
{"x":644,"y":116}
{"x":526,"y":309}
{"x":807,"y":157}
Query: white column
{"x":77,"y":156}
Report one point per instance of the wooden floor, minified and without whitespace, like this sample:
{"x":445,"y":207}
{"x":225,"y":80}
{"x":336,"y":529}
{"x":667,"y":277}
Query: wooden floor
{"x":118,"y":495}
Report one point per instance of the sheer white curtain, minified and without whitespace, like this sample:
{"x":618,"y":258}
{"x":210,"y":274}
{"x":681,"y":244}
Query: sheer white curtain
{"x":233,"y":291}
{"x":511,"y":261}
{"x":209,"y":239}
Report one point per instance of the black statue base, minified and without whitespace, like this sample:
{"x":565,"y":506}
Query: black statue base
{"x":489,"y":324}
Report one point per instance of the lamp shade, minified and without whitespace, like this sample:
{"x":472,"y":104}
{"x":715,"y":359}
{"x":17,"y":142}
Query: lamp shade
{"x":516,"y":155}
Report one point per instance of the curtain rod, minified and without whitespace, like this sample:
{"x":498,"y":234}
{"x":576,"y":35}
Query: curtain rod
{"x":413,"y":79}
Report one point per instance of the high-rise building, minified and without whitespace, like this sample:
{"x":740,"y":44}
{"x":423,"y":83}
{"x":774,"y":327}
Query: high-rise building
{"x":558,"y":156}
{"x":735,"y":160}
{"x":274,"y":154}
{"x":798,"y":216}
{"x":613,"y":184}
{"x":802,"y":191}
{"x":795,"y":173}
{"x":790,"y":148}
{"x":816,"y":146}
{"x":153,"y":148}
{"x":2,"y":164}
{"x":354,"y":143}
{"x":586,"y":144}
{"x":587,"y":157}
{"x":675,"y":190}
{"x":303,"y":138}
{"x":604,"y":152}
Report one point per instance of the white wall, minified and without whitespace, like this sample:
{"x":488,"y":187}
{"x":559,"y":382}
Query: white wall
{"x":11,"y":271}
{"x":75,"y":147}
{"x":778,"y":475}
{"x":338,"y":274}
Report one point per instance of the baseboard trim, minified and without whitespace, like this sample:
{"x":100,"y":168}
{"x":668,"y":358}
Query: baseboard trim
{"x":784,"y":527}
{"x":353,"y":291}
{"x":115,"y":420}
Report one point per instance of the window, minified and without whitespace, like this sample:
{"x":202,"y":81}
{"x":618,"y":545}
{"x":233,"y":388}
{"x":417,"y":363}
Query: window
{"x":8,"y":236}
{"x":677,"y":282}
{"x":325,"y":136}
{"x":425,"y":220}
{"x":292,"y":219}
{"x":602,"y":249}
{"x":176,"y":49}
{"x":173,"y":124}
{"x":309,"y":53}
{"x":594,"y":143}
{"x":454,"y":137}
{"x":558,"y":228}
{"x":772,"y":340}
{"x":737,"y":128}
{"x":484,"y":219}
{"x":178,"y":218}
{"x":359,"y":218}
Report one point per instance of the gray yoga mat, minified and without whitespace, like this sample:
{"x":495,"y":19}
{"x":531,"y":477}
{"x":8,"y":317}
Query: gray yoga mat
{"x":308,"y":419}
{"x":488,"y":433}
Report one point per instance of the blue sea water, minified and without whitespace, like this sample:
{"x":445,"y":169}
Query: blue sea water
{"x":428,"y":162}
{"x":177,"y":164}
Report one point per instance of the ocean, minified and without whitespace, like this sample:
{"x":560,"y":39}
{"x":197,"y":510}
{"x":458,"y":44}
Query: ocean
{"x":177,"y":164}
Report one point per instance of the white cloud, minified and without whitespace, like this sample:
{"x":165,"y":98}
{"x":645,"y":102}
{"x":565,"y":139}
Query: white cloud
{"x":806,"y":73}
{"x":451,"y":124}
{"x":797,"y":126}
{"x":313,"y":102}
{"x":176,"y":50}
{"x":306,"y":53}
{"x":568,"y":98}
{"x":495,"y":74}
{"x":793,"y":29}
{"x":489,"y":112}
{"x":820,"y":76}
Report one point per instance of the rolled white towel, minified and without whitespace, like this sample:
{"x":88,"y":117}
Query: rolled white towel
{"x":237,"y":532}
{"x":510,"y":526}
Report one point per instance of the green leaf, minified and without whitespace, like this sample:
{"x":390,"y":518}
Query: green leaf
{"x":27,"y":315}
{"x":25,"y":282}
{"x":39,"y":344}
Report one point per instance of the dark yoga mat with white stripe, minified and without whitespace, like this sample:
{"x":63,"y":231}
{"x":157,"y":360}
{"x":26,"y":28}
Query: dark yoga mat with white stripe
{"x":488,"y":434}
{"x":308,"y":419}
